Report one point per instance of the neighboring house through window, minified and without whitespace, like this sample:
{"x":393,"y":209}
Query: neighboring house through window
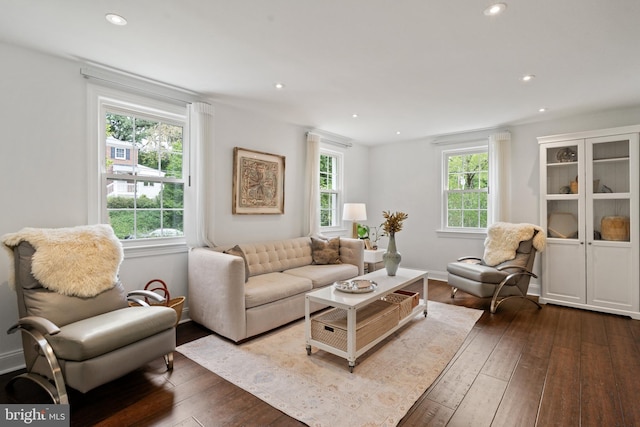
{"x":330,"y":188}
{"x":465,"y":189}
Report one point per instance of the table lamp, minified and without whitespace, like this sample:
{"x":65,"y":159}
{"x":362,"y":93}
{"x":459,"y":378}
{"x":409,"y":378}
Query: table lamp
{"x":354,"y":212}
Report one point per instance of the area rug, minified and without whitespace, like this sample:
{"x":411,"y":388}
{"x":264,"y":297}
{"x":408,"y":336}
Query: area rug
{"x":319,"y":390}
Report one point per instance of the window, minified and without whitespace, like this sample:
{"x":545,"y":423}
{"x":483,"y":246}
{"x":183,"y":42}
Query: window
{"x":142,"y":146}
{"x":330,"y":188}
{"x":119,"y":153}
{"x":465,"y":193}
{"x":144,"y":190}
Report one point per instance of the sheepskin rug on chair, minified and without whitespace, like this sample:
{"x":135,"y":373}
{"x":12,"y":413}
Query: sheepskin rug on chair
{"x":503,"y":239}
{"x":77,"y":261}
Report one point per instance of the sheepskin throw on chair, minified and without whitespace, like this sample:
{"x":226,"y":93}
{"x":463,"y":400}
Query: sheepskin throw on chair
{"x":78,"y":261}
{"x":503,"y":239}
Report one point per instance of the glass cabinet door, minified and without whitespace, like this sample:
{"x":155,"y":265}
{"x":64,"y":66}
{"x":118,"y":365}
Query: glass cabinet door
{"x":609,"y":166}
{"x":564,"y":166}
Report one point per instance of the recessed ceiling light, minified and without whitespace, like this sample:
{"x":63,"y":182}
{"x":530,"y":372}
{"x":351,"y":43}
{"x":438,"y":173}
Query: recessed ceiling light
{"x":495,"y":9}
{"x":354,"y":115}
{"x":279,"y":85}
{"x":542,"y":109}
{"x":397,"y":132}
{"x":115,"y":19}
{"x":528,"y":77}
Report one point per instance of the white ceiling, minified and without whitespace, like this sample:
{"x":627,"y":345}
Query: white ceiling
{"x":421,"y":67}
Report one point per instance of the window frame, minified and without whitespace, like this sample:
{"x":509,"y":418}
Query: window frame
{"x":478,"y":148}
{"x":122,"y":156}
{"x":338,"y":191}
{"x":102,"y":99}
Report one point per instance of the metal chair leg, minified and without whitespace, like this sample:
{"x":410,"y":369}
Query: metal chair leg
{"x":59,"y":392}
{"x":494,"y":300}
{"x":168,"y":361}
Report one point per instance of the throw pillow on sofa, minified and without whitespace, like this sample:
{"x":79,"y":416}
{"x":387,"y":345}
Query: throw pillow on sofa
{"x":325,"y":251}
{"x":239,"y":252}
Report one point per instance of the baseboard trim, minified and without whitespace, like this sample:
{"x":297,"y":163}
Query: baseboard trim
{"x":11,"y":361}
{"x":438,"y":275}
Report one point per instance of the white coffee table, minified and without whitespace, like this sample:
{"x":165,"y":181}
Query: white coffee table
{"x":352,"y":301}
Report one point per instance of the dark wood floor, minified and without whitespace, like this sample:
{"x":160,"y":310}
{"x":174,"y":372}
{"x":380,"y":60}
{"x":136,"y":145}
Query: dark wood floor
{"x":519,"y":367}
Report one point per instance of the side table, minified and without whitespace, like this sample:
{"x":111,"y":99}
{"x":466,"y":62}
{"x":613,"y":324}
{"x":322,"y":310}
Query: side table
{"x":373,"y":259}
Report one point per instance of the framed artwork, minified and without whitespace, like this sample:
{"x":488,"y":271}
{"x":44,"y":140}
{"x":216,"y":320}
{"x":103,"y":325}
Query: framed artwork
{"x":258,"y":182}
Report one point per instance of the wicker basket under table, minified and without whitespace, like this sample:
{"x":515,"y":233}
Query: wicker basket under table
{"x":406,"y":301}
{"x":372,"y":321}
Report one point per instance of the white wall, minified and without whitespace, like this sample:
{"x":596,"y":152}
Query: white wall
{"x":407,"y":178}
{"x":44,"y":174}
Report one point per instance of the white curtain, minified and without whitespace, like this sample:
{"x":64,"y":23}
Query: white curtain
{"x":313,"y":183}
{"x":499,"y":176}
{"x":201,"y":128}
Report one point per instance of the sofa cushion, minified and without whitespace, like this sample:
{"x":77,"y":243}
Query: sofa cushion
{"x":325,"y":251}
{"x":278,"y":255}
{"x":323,"y":275}
{"x":270,"y":287}
{"x":237,"y":251}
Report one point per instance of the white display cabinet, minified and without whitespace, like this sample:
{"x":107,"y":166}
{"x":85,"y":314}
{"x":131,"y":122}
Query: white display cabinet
{"x":589,"y":206}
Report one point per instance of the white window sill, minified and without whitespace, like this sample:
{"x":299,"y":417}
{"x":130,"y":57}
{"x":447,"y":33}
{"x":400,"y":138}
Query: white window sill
{"x":140,"y":249}
{"x":462,"y":233}
{"x":335,"y":231}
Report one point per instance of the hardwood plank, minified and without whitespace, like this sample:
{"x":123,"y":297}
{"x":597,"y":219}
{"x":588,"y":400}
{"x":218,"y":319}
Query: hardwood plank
{"x":600,"y":400}
{"x":617,"y":325}
{"x":239,"y":408}
{"x":506,"y":354}
{"x":480,"y":403}
{"x":211,"y":405}
{"x":568,"y":332}
{"x":520,"y":403}
{"x":428,"y":413}
{"x":542,"y":335}
{"x":626,"y":368}
{"x":133,"y":389}
{"x":560,"y":405}
{"x":634,"y":327}
{"x":158,"y":406}
{"x":593,"y":329}
{"x":454,"y":385}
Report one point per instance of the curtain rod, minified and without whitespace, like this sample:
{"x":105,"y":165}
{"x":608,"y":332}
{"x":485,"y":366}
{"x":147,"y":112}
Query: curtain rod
{"x":331,"y":138}
{"x":482,"y":135}
{"x":140,"y":84}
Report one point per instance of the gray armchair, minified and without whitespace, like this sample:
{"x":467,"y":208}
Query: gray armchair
{"x":84,"y":342}
{"x":509,"y":279}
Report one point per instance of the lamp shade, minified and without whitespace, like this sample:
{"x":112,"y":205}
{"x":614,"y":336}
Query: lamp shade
{"x":354,"y":212}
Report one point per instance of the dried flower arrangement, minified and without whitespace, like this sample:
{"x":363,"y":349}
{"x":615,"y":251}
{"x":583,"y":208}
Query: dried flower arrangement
{"x":393,"y":222}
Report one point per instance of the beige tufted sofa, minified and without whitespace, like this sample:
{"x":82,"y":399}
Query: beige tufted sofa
{"x":280,"y":274}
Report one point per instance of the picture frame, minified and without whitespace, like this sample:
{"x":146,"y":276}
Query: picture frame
{"x":258,"y":182}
